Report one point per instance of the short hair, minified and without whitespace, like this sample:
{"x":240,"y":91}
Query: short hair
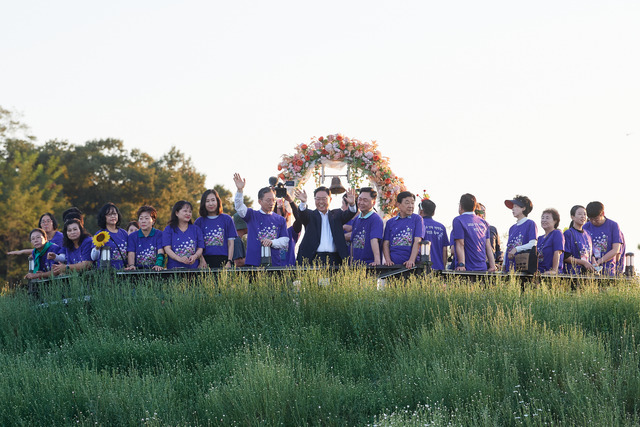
{"x":173,"y":222}
{"x":102,"y":215}
{"x":72,"y":212}
{"x":428,"y":207}
{"x":594,"y":209}
{"x":203,"y":203}
{"x":41,"y":231}
{"x":148,"y":209}
{"x":263,"y":191}
{"x":134,"y":223}
{"x":322,"y":188}
{"x":372,"y":193}
{"x":554,"y":214}
{"x":403,"y":195}
{"x":468,"y":202}
{"x":66,"y":242}
{"x":528,"y":205}
{"x":53,"y":220}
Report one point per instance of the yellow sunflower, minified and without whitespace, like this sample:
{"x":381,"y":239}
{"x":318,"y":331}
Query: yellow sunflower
{"x":101,"y":239}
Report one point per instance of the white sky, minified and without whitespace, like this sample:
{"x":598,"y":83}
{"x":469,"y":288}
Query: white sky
{"x":495,"y":98}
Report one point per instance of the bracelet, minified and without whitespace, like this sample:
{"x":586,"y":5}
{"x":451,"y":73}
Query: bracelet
{"x":460,"y":264}
{"x":230,"y":260}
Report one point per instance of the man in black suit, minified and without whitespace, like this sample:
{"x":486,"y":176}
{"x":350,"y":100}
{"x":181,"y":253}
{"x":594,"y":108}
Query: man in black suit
{"x":323,"y":239}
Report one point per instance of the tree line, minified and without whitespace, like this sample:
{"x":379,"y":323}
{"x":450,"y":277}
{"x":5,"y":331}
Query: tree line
{"x":50,"y":177}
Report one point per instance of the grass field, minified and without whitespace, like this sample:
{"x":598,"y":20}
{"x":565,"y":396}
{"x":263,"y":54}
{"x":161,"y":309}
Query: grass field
{"x":230,"y":350}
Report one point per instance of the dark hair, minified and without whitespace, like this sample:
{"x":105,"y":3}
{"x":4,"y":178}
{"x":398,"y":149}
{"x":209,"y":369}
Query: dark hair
{"x":322,"y":188}
{"x":66,"y":242}
{"x":428,"y":207}
{"x":573,"y":211}
{"x":528,"y":205}
{"x":594,"y":209}
{"x":468,"y":202}
{"x":148,"y":209}
{"x":134,"y":223}
{"x":72,"y":212}
{"x":373,"y":193}
{"x":41,"y":231}
{"x":173,"y":222}
{"x":554,"y":214}
{"x":203,"y":202}
{"x":263,"y":191}
{"x":53,"y":220}
{"x":480,"y":210}
{"x":102,"y":215}
{"x":403,"y":195}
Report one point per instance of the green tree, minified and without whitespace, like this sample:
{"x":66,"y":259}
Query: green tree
{"x":226,"y":196}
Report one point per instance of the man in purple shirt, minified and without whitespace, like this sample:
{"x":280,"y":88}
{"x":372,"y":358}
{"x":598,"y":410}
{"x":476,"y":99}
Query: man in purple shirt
{"x":472,"y":238}
{"x":606,"y":237}
{"x":435,"y":233}
{"x":367,"y":230}
{"x":403,"y":233}
{"x":265,"y":228}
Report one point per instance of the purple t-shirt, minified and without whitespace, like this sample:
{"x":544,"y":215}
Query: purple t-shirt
{"x":145,"y":248}
{"x":365,"y":229}
{"x":182,"y":243}
{"x":475,"y":232}
{"x":57,"y":239}
{"x":265,"y":226}
{"x":82,"y":253}
{"x":519,"y":234}
{"x":118,"y":245}
{"x":44,"y":263}
{"x":436,"y":233}
{"x":603,"y":238}
{"x":547,"y":246}
{"x":216,"y":233}
{"x":577,"y":244}
{"x":400,"y":233}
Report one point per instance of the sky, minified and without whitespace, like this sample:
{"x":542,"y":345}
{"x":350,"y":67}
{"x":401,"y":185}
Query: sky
{"x":494,"y":98}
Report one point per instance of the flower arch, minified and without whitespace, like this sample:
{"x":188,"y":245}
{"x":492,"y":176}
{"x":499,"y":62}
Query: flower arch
{"x":363,"y":158}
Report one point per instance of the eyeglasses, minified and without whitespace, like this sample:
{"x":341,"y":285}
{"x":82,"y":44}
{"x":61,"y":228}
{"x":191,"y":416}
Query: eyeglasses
{"x":321,"y":199}
{"x":46,"y":221}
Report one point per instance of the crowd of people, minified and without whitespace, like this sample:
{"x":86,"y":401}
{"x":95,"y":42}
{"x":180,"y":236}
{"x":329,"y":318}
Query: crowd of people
{"x":354,"y":233}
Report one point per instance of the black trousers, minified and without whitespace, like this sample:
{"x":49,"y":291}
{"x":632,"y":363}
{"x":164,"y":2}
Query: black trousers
{"x":328,"y":258}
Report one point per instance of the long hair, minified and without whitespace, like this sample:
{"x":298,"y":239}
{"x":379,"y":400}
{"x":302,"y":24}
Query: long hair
{"x":68,"y":243}
{"x":54,"y":223}
{"x":203,"y":203}
{"x":102,"y":215}
{"x":173,"y":222}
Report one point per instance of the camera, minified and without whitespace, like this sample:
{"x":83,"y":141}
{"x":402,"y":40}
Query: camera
{"x":279,"y":187}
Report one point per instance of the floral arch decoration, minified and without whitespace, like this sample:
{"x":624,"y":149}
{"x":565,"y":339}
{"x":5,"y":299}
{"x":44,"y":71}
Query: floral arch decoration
{"x":363,"y":158}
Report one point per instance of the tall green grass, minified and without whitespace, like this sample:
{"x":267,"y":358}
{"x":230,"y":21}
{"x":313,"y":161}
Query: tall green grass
{"x":296,"y":350}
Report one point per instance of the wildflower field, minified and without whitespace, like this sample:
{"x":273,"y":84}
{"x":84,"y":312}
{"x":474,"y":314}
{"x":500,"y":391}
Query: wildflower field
{"x":296,"y":350}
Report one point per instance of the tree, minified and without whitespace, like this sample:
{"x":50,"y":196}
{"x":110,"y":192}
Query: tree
{"x":226,"y":196}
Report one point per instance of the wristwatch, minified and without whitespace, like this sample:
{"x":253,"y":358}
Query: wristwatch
{"x":460,"y":264}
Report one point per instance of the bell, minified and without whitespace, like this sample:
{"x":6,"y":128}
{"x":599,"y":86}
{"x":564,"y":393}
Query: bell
{"x":336,"y":186}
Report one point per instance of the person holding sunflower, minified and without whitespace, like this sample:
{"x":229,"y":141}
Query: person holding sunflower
{"x":111,"y":235}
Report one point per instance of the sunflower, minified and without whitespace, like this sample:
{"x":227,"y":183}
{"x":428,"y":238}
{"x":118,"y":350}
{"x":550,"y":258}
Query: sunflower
{"x":101,"y":239}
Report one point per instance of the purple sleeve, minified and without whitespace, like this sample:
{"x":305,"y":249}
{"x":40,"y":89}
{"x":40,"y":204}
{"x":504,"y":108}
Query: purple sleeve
{"x":131,"y":242}
{"x":85,"y":249}
{"x":167,"y":234}
{"x":616,"y":235}
{"x":159,"y":240}
{"x":199,"y":238}
{"x":458,"y":231}
{"x":230,"y":228}
{"x":376,"y":231}
{"x":387,"y":230}
{"x":557,"y":244}
{"x":532,"y":232}
{"x":418,"y":224}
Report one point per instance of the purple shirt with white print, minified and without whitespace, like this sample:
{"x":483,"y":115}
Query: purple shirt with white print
{"x":603,"y":238}
{"x":401,"y":233}
{"x":118,"y":245}
{"x":577,"y":244}
{"x":437,"y":235}
{"x":216,"y":232}
{"x":547,"y":247}
{"x":474,"y":231}
{"x":265,"y":226}
{"x":364,"y":229}
{"x":182,"y":243}
{"x":519,"y":234}
{"x":145,"y":248}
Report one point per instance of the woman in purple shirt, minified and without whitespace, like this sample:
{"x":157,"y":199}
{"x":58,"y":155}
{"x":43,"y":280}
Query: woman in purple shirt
{"x":578,"y":248}
{"x":41,"y":248}
{"x":218,"y":231}
{"x":183,"y":242}
{"x":550,"y":244}
{"x":109,"y":219}
{"x":523,"y":234}
{"x":144,"y":246}
{"x":76,"y":249}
